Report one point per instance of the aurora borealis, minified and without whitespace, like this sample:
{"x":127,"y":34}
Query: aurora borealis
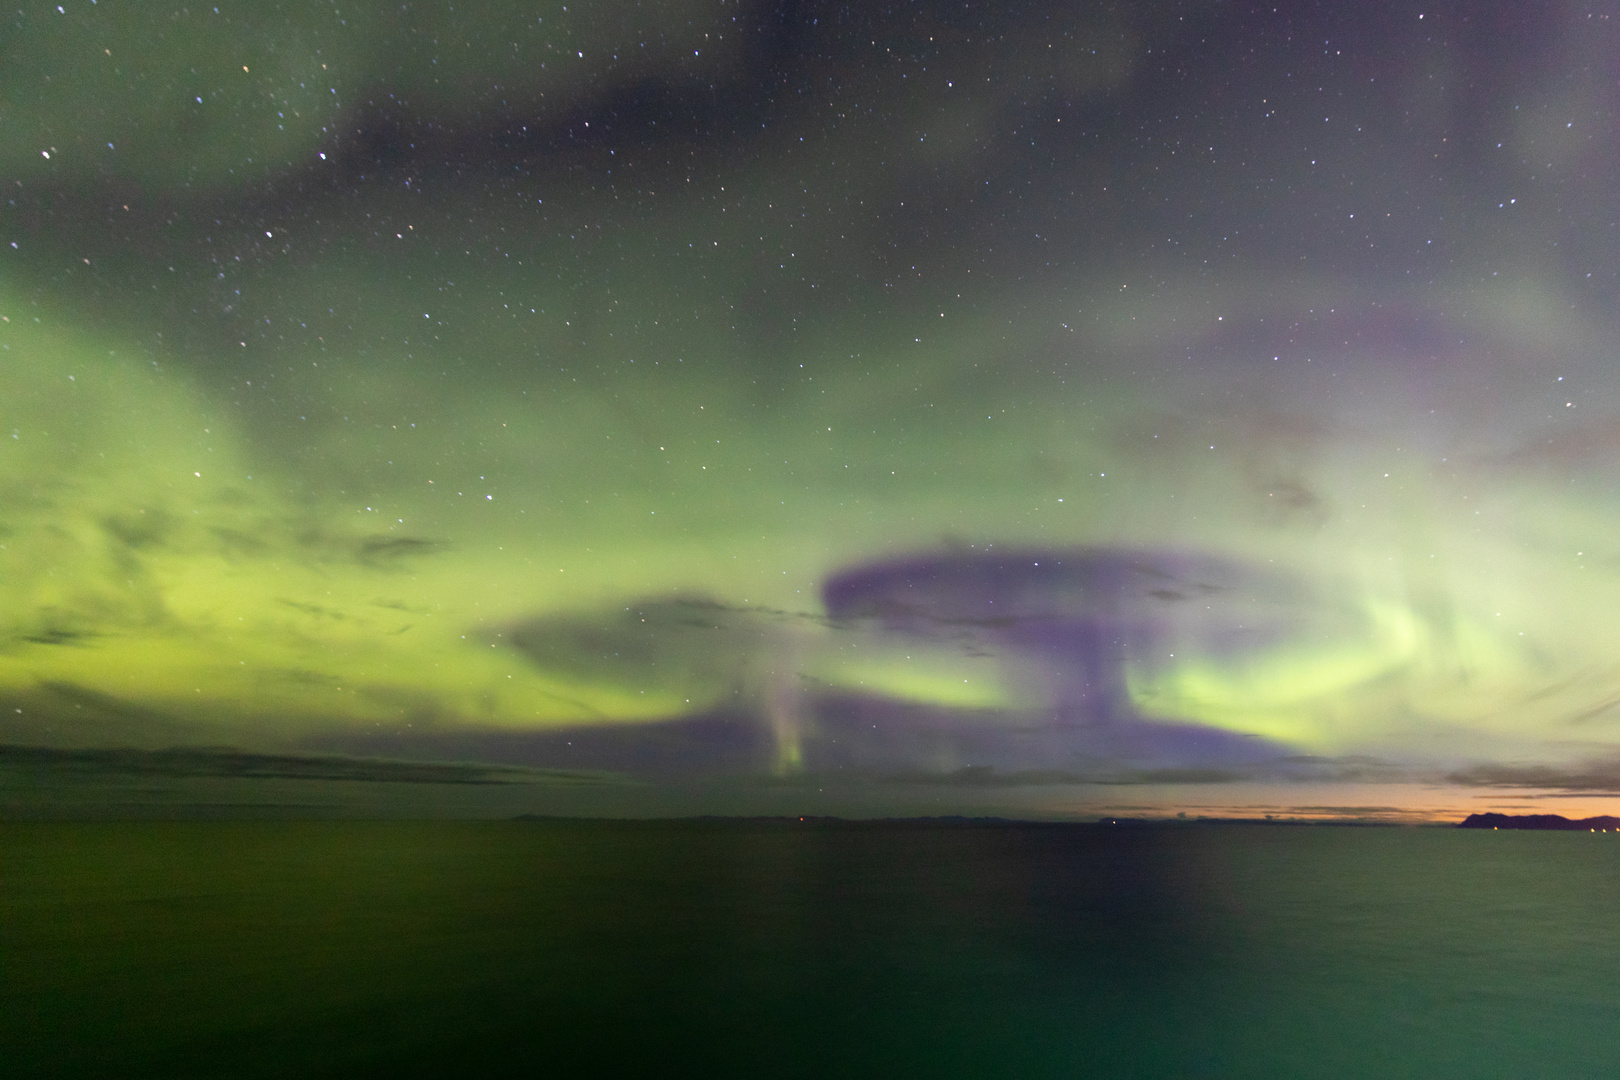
{"x":817,"y":409}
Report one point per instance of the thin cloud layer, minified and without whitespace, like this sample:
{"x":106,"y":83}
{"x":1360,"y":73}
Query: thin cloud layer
{"x":1600,"y":775}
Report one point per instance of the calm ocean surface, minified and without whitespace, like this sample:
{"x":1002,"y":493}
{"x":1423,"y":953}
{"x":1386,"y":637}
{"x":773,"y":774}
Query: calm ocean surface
{"x":769,"y":949}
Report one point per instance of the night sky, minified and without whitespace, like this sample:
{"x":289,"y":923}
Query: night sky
{"x":748,"y":407}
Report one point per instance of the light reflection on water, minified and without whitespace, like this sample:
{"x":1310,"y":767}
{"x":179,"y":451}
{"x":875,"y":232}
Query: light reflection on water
{"x":1254,"y":951}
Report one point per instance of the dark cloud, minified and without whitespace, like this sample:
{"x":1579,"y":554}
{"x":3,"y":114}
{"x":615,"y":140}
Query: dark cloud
{"x":1358,"y":768}
{"x":684,"y":642}
{"x":683,"y":747}
{"x":881,"y":735}
{"x":1588,"y":443}
{"x":238,"y":764}
{"x":988,"y":777}
{"x":1599,"y":775}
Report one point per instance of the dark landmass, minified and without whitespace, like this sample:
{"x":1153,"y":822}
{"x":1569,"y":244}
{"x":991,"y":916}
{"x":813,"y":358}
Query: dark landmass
{"x":950,"y":821}
{"x":1555,"y":822}
{"x":796,"y":821}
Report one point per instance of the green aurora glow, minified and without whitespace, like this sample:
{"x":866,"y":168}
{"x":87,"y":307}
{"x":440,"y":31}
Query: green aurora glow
{"x":292,"y":448}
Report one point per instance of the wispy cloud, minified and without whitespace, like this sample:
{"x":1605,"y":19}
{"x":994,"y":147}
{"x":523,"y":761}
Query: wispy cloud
{"x":987,"y":776}
{"x":1599,"y":775}
{"x":226,"y":762}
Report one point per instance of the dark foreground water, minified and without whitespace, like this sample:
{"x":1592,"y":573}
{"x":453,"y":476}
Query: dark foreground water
{"x":769,"y":949}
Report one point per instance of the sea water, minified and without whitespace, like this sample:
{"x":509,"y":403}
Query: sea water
{"x":781,"y":948}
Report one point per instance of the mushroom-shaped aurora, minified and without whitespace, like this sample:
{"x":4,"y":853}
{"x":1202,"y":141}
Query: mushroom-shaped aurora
{"x":1019,"y":660}
{"x":1072,"y":630}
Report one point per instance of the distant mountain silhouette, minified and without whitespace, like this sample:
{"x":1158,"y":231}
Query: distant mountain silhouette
{"x":1538,"y":821}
